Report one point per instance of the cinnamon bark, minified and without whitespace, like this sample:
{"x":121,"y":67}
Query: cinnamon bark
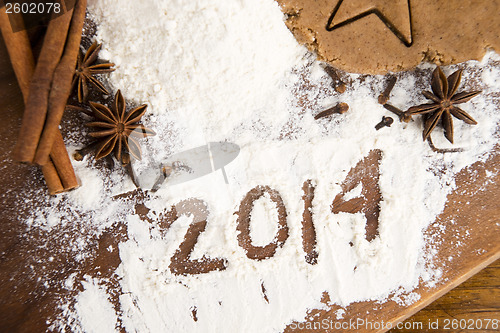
{"x":52,"y":179}
{"x":60,"y":158}
{"x":19,"y":48}
{"x":61,"y":84}
{"x":58,"y":171}
{"x":37,"y":102}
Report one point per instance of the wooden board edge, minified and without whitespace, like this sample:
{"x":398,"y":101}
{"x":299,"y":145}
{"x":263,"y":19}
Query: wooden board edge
{"x":444,"y":289}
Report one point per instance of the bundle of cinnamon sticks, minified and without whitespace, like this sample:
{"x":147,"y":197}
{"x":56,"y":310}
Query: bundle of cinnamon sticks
{"x":46,"y":87}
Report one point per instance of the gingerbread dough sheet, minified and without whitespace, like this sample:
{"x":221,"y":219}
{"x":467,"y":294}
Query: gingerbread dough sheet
{"x":377,"y":36}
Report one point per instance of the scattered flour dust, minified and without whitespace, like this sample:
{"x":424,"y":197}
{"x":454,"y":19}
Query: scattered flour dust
{"x":231,"y":71}
{"x":94,"y":310}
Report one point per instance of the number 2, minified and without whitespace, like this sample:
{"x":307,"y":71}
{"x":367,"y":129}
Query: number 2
{"x":180,"y":263}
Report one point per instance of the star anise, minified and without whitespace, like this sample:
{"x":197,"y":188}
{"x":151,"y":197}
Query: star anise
{"x":443,"y":106}
{"x":86,"y":69}
{"x":117,"y":130}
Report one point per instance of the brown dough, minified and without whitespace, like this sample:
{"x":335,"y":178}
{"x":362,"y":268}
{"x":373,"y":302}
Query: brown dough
{"x":375,"y":36}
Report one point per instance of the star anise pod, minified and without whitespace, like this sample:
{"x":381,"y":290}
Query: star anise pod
{"x":117,"y":130}
{"x":443,"y":106}
{"x":86,"y":69}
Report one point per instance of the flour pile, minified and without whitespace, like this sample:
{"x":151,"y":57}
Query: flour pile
{"x":231,"y":71}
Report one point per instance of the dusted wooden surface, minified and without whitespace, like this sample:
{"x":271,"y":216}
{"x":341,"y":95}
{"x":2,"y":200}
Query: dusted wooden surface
{"x":468,"y":238}
{"x":26,"y":303}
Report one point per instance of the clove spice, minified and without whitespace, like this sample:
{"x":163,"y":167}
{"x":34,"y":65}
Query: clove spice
{"x":386,"y":122}
{"x":403,"y":116}
{"x":384,"y":96}
{"x":339,"y":108}
{"x":337,"y":84}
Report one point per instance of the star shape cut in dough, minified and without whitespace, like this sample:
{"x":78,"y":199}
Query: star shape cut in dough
{"x":395,"y":14}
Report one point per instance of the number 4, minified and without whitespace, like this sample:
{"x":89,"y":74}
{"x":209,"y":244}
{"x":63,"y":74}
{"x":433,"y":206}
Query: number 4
{"x":367,"y":173}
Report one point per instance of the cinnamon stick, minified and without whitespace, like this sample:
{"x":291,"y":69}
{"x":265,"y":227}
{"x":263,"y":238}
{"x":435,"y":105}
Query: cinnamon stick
{"x":58,"y":171}
{"x":52,"y":179}
{"x":19,"y":48}
{"x":37,"y":103}
{"x":60,"y":158}
{"x":61,"y":84}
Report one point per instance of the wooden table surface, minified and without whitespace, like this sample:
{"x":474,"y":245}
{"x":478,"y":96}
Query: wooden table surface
{"x":477,"y":299}
{"x":24,"y":309}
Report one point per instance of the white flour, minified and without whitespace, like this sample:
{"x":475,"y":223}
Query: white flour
{"x":261,"y":231}
{"x":94,"y":310}
{"x":230,"y":70}
{"x":205,"y":61}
